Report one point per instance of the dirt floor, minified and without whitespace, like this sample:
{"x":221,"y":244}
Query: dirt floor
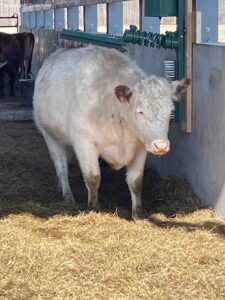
{"x":28,"y":176}
{"x":49,"y":251}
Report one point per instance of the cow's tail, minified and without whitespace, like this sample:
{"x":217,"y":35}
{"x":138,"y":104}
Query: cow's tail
{"x":2,"y":64}
{"x":32,"y":40}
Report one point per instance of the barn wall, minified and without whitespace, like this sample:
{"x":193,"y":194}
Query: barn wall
{"x":47,"y":39}
{"x":46,"y":42}
{"x":200,"y":156}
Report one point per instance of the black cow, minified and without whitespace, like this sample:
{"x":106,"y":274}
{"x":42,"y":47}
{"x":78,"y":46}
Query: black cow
{"x":15,"y":58}
{"x":12,"y":60}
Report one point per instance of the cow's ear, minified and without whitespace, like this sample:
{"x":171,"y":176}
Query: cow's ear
{"x":123,"y":93}
{"x":179,"y":87}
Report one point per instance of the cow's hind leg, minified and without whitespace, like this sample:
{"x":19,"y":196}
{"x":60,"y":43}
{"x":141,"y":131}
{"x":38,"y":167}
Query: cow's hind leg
{"x":26,"y":68}
{"x":59,"y":157}
{"x":87,"y":156}
{"x":11,"y":86}
{"x":12,"y":73}
{"x":134,"y":180}
{"x":2,"y":85}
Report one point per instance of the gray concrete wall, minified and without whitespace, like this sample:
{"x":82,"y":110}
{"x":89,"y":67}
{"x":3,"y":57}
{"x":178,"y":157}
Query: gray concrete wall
{"x":150,"y":59}
{"x":200,"y":156}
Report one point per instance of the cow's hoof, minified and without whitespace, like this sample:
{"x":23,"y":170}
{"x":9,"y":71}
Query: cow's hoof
{"x":94,"y":206}
{"x":69,"y":200}
{"x":137,"y":214}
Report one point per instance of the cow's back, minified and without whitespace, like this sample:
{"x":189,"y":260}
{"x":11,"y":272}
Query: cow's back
{"x":10,"y":49}
{"x":26,"y":40}
{"x":91,"y":62}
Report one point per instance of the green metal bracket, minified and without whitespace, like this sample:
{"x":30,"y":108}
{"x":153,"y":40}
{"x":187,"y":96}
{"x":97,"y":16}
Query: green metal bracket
{"x":94,"y":38}
{"x":171,"y":40}
{"x":166,"y":41}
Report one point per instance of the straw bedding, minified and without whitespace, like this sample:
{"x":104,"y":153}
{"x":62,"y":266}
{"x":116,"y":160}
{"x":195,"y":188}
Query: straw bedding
{"x":49,"y":251}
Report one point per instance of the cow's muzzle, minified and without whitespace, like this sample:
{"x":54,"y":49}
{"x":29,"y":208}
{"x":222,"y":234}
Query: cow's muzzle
{"x":159,"y":147}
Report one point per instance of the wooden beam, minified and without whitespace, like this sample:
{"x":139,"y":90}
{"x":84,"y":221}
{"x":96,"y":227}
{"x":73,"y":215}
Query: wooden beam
{"x":63,"y":3}
{"x":190,"y":38}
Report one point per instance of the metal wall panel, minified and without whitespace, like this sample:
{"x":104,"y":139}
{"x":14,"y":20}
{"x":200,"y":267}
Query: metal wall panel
{"x":90,"y":15}
{"x":32,"y":19}
{"x":60,"y":18}
{"x":73,"y":18}
{"x":49,"y":19}
{"x":40,"y":19}
{"x":115,"y":18}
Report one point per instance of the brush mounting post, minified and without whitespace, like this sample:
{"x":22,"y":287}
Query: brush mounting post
{"x":169,"y":40}
{"x":179,"y":41}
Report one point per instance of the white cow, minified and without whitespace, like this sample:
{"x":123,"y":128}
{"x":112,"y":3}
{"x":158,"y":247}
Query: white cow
{"x":99,"y":103}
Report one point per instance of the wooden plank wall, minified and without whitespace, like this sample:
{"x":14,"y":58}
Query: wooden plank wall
{"x":222,"y":12}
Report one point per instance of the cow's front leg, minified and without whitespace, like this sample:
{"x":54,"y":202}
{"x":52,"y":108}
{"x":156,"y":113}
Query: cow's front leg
{"x":88,"y":159}
{"x":135,"y":172}
{"x":92,"y":184}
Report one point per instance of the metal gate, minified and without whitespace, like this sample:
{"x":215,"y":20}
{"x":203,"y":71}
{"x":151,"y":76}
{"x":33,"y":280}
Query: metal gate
{"x":9,"y":24}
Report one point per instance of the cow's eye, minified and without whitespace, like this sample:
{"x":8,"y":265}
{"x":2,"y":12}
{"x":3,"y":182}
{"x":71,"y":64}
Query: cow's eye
{"x":141,"y":113}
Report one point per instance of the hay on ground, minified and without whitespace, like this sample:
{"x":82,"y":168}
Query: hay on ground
{"x":49,"y":251}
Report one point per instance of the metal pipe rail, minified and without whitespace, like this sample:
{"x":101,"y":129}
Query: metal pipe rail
{"x":14,"y":16}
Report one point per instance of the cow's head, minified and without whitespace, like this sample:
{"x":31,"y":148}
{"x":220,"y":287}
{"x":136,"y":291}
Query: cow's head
{"x":150,"y":104}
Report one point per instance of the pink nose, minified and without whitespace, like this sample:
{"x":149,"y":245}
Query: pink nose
{"x":159,"y":147}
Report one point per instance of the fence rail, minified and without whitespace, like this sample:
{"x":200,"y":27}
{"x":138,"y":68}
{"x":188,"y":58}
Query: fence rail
{"x":63,"y":4}
{"x":111,"y":16}
{"x":13,"y":17}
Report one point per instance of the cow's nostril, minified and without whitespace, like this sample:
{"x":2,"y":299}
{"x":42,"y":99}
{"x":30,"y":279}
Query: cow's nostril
{"x":156,"y":146}
{"x":166,"y":147}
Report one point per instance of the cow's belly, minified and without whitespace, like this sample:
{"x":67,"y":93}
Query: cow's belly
{"x":118,"y":156}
